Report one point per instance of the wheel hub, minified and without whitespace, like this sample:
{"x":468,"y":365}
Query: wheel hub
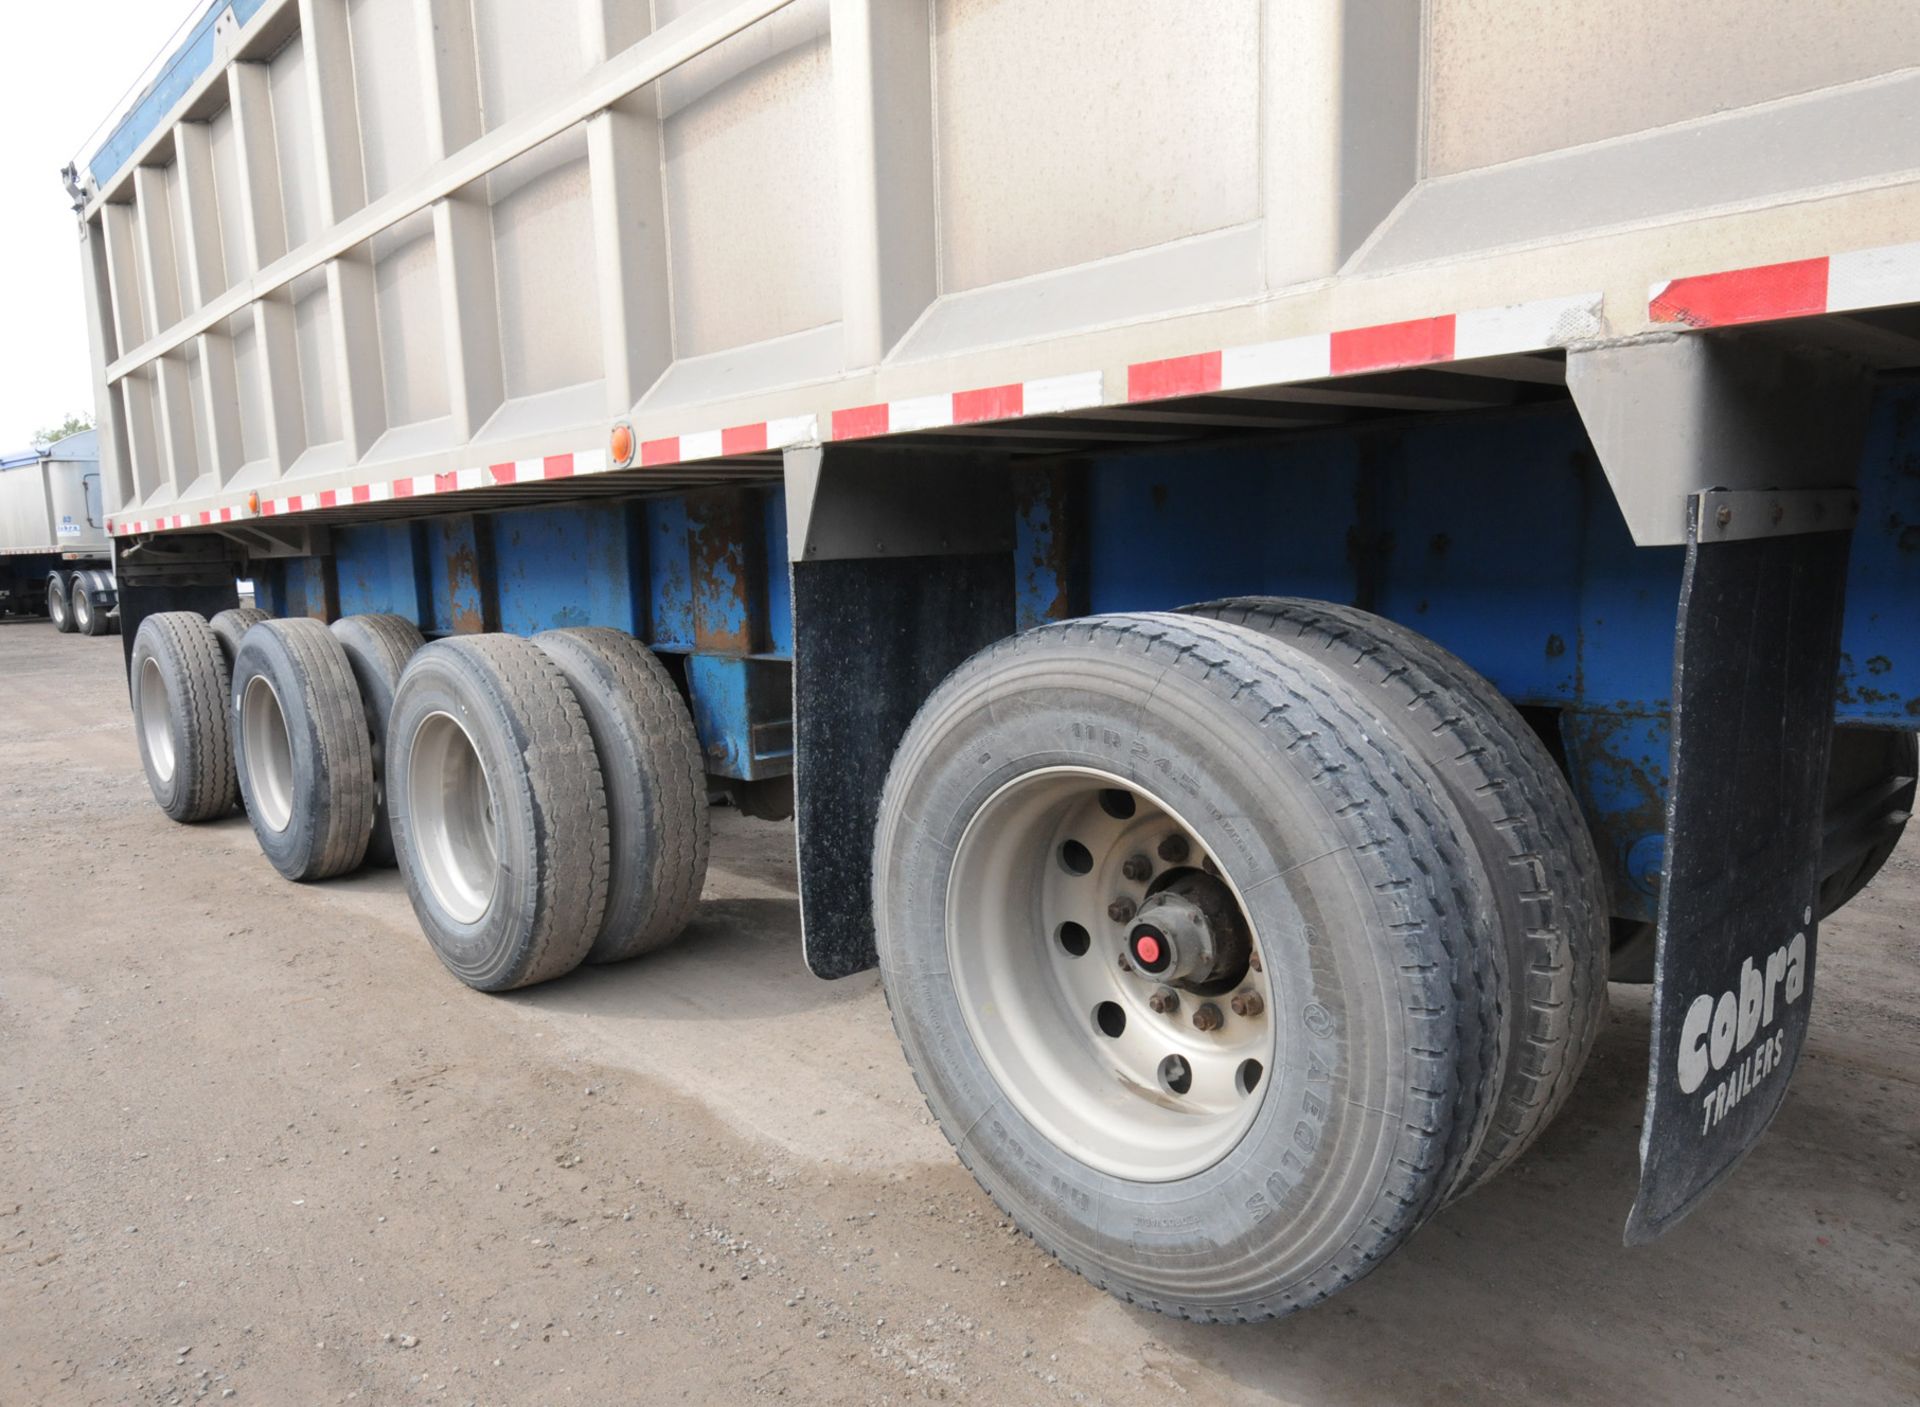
{"x":1189,"y":934}
{"x":1077,"y":904}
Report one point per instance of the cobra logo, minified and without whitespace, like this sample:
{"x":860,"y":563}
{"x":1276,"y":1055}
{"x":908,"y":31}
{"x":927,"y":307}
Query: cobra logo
{"x":1720,"y":1028}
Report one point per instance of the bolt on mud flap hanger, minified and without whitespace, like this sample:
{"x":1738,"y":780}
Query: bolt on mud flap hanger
{"x":1753,"y":470}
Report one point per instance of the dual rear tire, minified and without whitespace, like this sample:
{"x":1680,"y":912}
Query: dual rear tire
{"x":260,"y":711}
{"x":490,"y":757}
{"x":1379,"y":1015}
{"x":91,"y":604}
{"x":573,"y":756}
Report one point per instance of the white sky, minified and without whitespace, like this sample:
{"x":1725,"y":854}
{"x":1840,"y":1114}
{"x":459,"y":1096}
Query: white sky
{"x":66,"y":66}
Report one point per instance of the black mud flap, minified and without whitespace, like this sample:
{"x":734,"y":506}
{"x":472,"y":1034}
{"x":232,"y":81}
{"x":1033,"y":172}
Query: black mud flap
{"x":1753,"y":696}
{"x":871,"y":640}
{"x":177,"y":572}
{"x":902,"y":569}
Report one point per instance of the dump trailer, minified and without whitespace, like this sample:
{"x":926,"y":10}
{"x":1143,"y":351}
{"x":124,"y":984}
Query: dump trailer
{"x":55,"y":559}
{"x":1265,"y":546}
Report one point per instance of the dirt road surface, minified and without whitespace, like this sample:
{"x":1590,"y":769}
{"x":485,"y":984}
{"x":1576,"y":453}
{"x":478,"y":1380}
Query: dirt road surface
{"x":257,"y":1146}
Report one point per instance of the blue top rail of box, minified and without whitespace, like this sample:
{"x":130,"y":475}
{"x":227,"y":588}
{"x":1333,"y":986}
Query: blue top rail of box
{"x":190,"y":58}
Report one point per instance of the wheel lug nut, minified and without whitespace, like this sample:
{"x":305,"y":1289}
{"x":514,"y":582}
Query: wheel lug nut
{"x":1253,"y":961}
{"x":1248,"y":1004}
{"x":1207,"y":1017}
{"x":1174,"y":849}
{"x":1137,"y":868}
{"x":1120,"y":910}
{"x":1164,"y":1000}
{"x":1125,"y":966}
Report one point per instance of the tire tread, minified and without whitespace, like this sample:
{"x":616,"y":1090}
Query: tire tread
{"x":232,"y":624}
{"x":378,"y":647}
{"x":1556,"y":909}
{"x":340,"y":741}
{"x":650,"y":897}
{"x":186,"y":649}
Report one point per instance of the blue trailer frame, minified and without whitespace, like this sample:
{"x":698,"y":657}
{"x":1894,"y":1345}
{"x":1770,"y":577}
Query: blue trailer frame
{"x":699,"y":576}
{"x":1493,"y":533}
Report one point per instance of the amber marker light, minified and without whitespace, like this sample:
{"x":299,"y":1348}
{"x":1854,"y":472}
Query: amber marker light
{"x":620,"y":445}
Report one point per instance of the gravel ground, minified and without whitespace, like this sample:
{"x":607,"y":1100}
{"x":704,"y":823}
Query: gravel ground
{"x":256,"y":1145}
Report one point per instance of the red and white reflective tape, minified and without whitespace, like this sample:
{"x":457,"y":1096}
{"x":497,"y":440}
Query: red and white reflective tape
{"x":518,"y":471}
{"x":122,"y":528}
{"x":757,"y":438}
{"x":1835,"y":283}
{"x":1485,"y":332}
{"x":1046,"y":396}
{"x":739,"y":439}
{"x":1522,"y":327}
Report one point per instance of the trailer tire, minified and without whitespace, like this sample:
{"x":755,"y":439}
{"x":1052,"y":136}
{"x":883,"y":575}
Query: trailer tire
{"x":230,"y":625}
{"x":60,"y":601}
{"x":178,"y":683}
{"x":109,"y":614}
{"x":499,"y":812}
{"x":657,"y":822}
{"x":1356,"y":887}
{"x":378,"y":648}
{"x":79,"y":605}
{"x":1548,"y":891}
{"x":301,"y":751}
{"x":1876,"y":767}
{"x":88,"y":618}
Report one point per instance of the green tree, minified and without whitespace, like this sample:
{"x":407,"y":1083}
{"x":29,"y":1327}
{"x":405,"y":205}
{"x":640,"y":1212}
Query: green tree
{"x":75,"y":422}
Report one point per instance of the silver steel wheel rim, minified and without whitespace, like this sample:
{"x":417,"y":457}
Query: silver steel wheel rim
{"x":155,"y":727}
{"x":56,"y":603}
{"x":450,"y":808}
{"x":82,"y":610}
{"x":269,"y":749}
{"x":1042,"y":1016}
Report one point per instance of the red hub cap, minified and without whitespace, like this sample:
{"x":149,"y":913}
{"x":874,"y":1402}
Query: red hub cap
{"x":1149,"y":949}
